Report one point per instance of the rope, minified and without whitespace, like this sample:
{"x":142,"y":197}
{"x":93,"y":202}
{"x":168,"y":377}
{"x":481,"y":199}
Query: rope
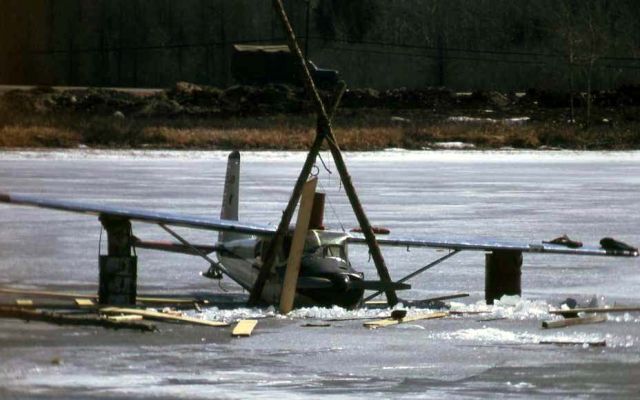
{"x":324,"y":164}
{"x":100,"y":241}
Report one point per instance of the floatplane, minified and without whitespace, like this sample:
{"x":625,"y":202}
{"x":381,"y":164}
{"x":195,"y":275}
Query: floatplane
{"x":326,"y":276}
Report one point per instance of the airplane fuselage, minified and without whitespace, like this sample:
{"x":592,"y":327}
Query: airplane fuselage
{"x":326,"y":276}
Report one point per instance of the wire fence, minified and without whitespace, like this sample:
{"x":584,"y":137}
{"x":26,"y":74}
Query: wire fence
{"x":382,"y":48}
{"x":332,"y":48}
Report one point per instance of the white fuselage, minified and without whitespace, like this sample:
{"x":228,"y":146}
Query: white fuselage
{"x":241,"y":257}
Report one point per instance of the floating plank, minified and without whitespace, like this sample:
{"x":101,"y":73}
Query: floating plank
{"x":600,"y":343}
{"x":447,"y":297}
{"x":71,"y":319}
{"x":85,"y":302}
{"x":122,"y":318}
{"x":41,"y":293}
{"x":71,"y":295}
{"x":596,"y":310}
{"x":165,"y":300}
{"x":316,"y":325}
{"x":161,"y":316}
{"x":244,"y":327}
{"x":573,"y":321}
{"x":349,"y":319}
{"x":47,"y":306}
{"x":462,"y":312}
{"x":491,"y":319}
{"x":376,"y":303}
{"x":24,"y":302}
{"x":292,"y":271}
{"x":381,"y":323}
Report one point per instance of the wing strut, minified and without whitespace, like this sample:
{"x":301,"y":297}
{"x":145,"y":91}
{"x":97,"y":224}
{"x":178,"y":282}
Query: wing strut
{"x":419,"y":271}
{"x":202,"y":254}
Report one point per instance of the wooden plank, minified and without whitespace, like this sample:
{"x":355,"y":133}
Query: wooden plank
{"x":71,"y":295}
{"x":71,"y":319}
{"x":244,"y":327}
{"x":161,"y":316}
{"x":599,"y":343}
{"x":165,"y":300}
{"x":447,"y":297}
{"x":288,"y":293}
{"x":85,"y":303}
{"x":283,"y":226}
{"x":381,"y":323}
{"x":24,"y":302}
{"x":42,"y":306}
{"x":462,"y":312}
{"x":573,"y":321}
{"x":596,"y":310}
{"x":121,"y":318}
{"x":316,"y":325}
{"x":42,"y":293}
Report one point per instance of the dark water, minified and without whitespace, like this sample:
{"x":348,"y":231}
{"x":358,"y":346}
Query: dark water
{"x":520,"y":195}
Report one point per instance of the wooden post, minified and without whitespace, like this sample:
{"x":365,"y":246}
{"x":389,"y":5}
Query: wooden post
{"x":594,"y":319}
{"x":502,"y":274}
{"x":324,"y":130}
{"x":118,"y":269}
{"x":297,"y":246}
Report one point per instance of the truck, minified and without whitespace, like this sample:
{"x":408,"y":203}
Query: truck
{"x":263,"y":64}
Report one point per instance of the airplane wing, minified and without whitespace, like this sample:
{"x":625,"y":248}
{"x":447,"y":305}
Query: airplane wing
{"x":490,"y":245}
{"x":214,"y":224}
{"x":189,"y":221}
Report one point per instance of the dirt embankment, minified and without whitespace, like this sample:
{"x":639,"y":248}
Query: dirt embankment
{"x":280,"y":117}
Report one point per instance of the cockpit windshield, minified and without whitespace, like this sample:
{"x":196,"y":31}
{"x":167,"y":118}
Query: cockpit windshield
{"x":333,"y":250}
{"x":325,"y":245}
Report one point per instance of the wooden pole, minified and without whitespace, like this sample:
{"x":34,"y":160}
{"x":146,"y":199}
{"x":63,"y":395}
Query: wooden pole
{"x":297,"y":247}
{"x":573,"y":321}
{"x":596,"y":310}
{"x":325,"y":130}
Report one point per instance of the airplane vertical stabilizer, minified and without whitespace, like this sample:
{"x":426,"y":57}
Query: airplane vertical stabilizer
{"x":230,"y":198}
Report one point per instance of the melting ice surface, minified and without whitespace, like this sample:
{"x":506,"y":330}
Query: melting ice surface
{"x":515,"y":195}
{"x":512,"y":308}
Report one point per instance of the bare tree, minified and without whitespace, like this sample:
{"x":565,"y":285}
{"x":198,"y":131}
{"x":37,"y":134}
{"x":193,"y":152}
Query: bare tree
{"x":584,"y":30}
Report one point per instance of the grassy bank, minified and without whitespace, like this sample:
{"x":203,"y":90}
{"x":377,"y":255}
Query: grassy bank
{"x":177,"y":121}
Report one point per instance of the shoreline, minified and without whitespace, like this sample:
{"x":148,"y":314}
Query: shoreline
{"x":277,"y":117}
{"x":297,"y":156}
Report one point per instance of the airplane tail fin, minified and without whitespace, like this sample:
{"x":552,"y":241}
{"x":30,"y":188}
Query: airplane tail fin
{"x":230,"y":198}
